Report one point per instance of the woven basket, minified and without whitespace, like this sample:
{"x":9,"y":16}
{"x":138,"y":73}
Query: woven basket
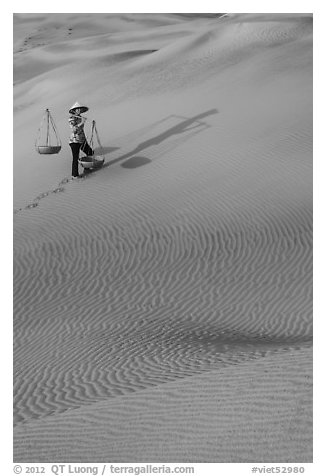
{"x":91,"y":162}
{"x":48,"y":149}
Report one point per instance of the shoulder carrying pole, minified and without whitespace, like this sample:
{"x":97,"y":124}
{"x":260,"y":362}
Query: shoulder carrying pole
{"x":47,"y":127}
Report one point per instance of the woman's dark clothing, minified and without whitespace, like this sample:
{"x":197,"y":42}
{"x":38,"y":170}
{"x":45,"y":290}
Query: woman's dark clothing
{"x":78,"y":141}
{"x":75,"y":148}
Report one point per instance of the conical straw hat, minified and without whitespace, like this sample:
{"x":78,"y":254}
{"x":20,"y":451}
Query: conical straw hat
{"x":78,"y":106}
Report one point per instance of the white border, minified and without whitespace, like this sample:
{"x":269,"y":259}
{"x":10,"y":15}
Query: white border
{"x":314,"y":7}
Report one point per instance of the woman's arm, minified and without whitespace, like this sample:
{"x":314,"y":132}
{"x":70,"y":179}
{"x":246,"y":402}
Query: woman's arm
{"x":76,"y":123}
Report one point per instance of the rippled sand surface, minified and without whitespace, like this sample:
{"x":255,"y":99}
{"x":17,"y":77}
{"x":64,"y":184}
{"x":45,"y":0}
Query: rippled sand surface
{"x":163,"y":304}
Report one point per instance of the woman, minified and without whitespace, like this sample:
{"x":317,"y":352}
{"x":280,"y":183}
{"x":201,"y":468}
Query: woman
{"x":77,"y":138}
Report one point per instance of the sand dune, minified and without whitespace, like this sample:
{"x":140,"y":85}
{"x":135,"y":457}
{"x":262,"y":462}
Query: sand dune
{"x":174,"y":285}
{"x":193,"y":419}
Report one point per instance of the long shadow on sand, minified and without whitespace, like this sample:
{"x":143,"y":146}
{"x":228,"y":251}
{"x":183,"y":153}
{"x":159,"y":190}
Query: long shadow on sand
{"x":188,"y":124}
{"x":135,"y":161}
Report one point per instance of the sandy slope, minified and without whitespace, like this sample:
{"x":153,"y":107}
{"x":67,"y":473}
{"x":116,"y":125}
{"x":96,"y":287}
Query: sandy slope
{"x":175,"y":284}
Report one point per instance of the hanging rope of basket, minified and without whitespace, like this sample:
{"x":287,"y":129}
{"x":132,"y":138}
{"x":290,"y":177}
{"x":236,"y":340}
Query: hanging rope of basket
{"x":43,"y":143}
{"x":93,"y":161}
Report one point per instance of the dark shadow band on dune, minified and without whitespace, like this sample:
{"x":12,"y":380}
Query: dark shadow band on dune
{"x":176,"y":356}
{"x":126,"y":55}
